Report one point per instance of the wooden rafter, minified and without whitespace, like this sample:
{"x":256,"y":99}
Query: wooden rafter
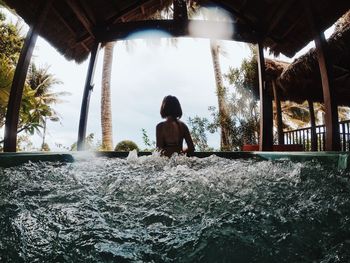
{"x":142,"y":9}
{"x":70,"y":29}
{"x":114,"y":19}
{"x":279,"y":13}
{"x":292,"y":26}
{"x":243,"y":6}
{"x":81,"y":16}
{"x":88,"y":11}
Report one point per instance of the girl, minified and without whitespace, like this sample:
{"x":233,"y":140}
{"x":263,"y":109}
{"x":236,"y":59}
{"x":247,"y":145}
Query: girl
{"x":171,"y":132}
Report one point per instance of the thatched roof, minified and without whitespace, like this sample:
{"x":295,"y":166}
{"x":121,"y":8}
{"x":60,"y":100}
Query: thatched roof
{"x":301,"y":80}
{"x":274,"y":68}
{"x":72,"y":25}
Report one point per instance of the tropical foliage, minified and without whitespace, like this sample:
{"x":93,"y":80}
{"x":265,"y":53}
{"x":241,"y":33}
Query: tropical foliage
{"x":150,"y":145}
{"x":38,"y":97}
{"x":126,"y":146}
{"x":90,"y":144}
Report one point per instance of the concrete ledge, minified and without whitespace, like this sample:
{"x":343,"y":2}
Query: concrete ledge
{"x":14,"y":159}
{"x":336,"y":160}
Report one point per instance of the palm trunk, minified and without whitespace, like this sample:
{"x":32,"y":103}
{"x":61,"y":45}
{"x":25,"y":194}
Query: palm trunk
{"x":106,"y":112}
{"x":220,"y":90}
{"x":44,"y":135}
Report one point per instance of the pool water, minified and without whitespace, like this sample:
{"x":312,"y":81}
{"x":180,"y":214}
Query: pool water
{"x":154,"y":209}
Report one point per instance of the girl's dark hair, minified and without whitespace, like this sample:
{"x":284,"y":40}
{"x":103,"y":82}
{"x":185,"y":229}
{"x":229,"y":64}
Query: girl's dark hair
{"x":171,"y":107}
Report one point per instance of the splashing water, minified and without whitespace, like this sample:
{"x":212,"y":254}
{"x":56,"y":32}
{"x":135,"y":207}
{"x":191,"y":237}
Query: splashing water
{"x":154,"y":209}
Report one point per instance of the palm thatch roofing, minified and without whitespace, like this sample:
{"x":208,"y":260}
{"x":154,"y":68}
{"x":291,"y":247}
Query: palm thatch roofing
{"x":274,"y":68}
{"x":72,"y":26}
{"x":301,"y":80}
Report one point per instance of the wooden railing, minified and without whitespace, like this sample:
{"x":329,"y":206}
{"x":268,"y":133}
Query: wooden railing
{"x":303,"y":136}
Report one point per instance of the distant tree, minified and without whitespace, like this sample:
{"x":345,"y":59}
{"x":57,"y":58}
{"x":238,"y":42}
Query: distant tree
{"x":198,"y":128}
{"x":126,"y":146}
{"x":89,"y":143}
{"x":45,"y":147}
{"x":243,"y":105}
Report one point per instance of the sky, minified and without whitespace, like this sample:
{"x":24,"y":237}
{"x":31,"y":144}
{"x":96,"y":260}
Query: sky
{"x":143,"y":73}
{"x":141,"y":78}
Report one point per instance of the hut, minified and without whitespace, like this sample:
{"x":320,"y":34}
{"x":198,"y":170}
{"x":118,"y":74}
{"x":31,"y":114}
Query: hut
{"x":301,"y":80}
{"x":76,"y":28}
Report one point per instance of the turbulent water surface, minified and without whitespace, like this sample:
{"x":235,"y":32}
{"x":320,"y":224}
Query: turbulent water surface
{"x":153,"y":209}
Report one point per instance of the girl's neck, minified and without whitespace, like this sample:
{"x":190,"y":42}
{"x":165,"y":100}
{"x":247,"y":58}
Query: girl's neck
{"x":170,"y":118}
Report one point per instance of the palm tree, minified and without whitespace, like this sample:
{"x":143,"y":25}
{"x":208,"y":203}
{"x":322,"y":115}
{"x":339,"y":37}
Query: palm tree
{"x":40,"y":82}
{"x":224,"y":116}
{"x":216,"y":49}
{"x":106,"y":112}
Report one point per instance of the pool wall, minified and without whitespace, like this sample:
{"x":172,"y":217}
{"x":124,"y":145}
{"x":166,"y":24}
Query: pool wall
{"x":337,"y":160}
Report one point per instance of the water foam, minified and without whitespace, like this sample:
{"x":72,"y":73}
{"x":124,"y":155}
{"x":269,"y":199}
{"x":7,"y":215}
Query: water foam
{"x":178,"y":209}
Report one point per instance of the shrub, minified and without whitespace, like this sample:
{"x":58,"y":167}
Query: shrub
{"x":126,"y":146}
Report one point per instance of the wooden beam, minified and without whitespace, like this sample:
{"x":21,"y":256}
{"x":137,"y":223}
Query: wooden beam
{"x":114,"y":19}
{"x":175,"y":29}
{"x":86,"y":97}
{"x":243,"y":6}
{"x":313,"y":126}
{"x":331,"y":108}
{"x":266,"y":111}
{"x":64,"y":22}
{"x":277,"y":100}
{"x":70,"y":29}
{"x":81,"y":16}
{"x":142,"y":9}
{"x":280,"y":12}
{"x":297,"y":21}
{"x":327,"y":79}
{"x":14,"y":103}
{"x":88,"y":11}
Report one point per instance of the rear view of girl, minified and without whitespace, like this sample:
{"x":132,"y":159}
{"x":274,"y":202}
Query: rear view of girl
{"x":171,"y":132}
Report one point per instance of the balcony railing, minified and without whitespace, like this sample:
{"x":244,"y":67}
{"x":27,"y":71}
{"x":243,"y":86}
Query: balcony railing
{"x":303,"y":136}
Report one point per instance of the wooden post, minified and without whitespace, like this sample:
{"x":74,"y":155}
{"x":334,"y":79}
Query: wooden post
{"x":325,"y":65}
{"x":14,"y":103}
{"x":278,"y":112}
{"x":266,"y":111}
{"x":86,"y":97}
{"x":331,"y":108}
{"x":313,"y":126}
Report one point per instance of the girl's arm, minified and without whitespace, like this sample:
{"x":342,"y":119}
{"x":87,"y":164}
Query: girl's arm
{"x":188,"y":140}
{"x":159,"y":137}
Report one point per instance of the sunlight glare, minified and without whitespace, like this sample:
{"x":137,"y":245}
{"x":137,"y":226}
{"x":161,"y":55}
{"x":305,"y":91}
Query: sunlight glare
{"x":148,"y":34}
{"x":215,"y":30}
